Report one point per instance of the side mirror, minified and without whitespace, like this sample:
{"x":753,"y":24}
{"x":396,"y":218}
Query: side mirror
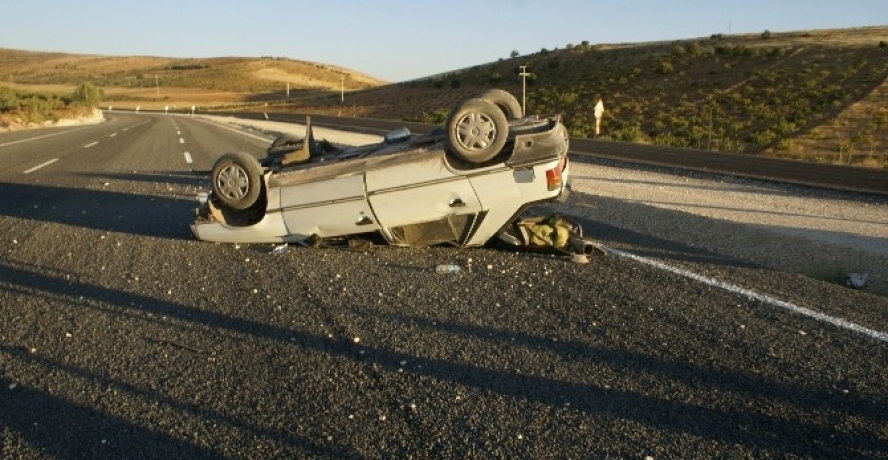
{"x":397,"y":135}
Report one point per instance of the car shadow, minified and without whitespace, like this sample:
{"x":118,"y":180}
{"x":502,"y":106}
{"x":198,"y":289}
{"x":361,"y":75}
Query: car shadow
{"x":162,"y":215}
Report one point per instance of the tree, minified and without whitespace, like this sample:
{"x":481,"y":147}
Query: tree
{"x":513,"y":54}
{"x":87,"y":95}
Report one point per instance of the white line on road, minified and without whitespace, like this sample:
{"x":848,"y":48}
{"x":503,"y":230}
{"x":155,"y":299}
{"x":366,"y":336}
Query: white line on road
{"x":90,"y":144}
{"x":113,"y":135}
{"x":181,"y":140}
{"x":765,"y":298}
{"x":188,"y":158}
{"x":234,"y":130}
{"x":40,"y":137}
{"x":42,"y":165}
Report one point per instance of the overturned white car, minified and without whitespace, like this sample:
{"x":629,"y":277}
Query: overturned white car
{"x":461,"y":184}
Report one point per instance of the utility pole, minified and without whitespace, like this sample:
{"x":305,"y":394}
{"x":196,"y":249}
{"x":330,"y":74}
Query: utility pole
{"x":523,"y":75}
{"x":157,"y":85}
{"x":709,"y":141}
{"x":342,"y":88}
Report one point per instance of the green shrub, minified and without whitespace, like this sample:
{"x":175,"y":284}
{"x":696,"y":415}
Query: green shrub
{"x":665,"y":68}
{"x":785,"y":145}
{"x":731,"y":145}
{"x":631,"y":134}
{"x":435,"y":117}
{"x":87,"y":95}
{"x":695,"y":49}
{"x":9,"y":99}
{"x":762,"y":137}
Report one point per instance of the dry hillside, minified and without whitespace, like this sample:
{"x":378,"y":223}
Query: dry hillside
{"x":818,"y":95}
{"x":815,"y":95}
{"x":130,"y":81}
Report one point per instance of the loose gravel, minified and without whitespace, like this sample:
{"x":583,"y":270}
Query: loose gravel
{"x":818,"y":233}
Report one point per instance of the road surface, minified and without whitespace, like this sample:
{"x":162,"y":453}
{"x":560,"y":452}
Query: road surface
{"x":123,"y":337}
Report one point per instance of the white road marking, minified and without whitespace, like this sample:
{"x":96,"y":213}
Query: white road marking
{"x":90,"y":144}
{"x":181,"y":140}
{"x":39,"y":137}
{"x":113,"y":135}
{"x":188,"y":158}
{"x":764,"y":298}
{"x":234,"y":130}
{"x":42,"y":165}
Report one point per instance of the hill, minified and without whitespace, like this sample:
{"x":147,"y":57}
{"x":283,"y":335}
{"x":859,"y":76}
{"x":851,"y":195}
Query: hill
{"x":818,"y":95}
{"x":132,"y":80}
{"x":815,"y":95}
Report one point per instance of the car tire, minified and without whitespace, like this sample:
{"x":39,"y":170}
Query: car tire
{"x":476,"y":130}
{"x":506,"y":102}
{"x":237,"y":180}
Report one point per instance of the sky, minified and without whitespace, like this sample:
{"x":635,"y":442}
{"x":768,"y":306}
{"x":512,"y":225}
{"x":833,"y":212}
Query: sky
{"x":397,"y":40}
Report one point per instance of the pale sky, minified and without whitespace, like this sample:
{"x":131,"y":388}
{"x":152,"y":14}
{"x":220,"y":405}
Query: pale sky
{"x":397,"y":40}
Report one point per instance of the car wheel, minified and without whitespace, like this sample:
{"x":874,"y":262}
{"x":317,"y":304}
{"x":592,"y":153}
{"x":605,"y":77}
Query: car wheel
{"x":476,"y":130}
{"x":237,"y":180}
{"x":506,"y":102}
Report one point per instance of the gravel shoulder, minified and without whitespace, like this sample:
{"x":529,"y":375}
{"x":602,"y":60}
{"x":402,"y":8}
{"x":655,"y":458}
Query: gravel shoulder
{"x":817,"y":233}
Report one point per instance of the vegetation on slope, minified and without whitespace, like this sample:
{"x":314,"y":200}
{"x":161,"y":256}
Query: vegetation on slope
{"x":818,"y":95}
{"x":764,"y":93}
{"x":228,"y":74}
{"x":28,"y":108}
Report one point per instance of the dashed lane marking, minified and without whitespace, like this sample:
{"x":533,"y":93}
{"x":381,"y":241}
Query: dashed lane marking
{"x":41,"y":165}
{"x":40,"y":137}
{"x":90,"y":144}
{"x":764,"y":298}
{"x":188,"y":158}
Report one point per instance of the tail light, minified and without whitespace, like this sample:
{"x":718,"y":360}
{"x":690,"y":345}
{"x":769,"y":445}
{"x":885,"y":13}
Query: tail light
{"x":553,"y":176}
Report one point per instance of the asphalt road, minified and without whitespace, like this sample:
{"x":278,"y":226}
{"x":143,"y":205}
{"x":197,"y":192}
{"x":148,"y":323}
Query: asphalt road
{"x":123,"y":337}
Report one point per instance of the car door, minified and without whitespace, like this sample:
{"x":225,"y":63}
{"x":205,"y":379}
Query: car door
{"x":422,"y":202}
{"x":327,"y":207}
